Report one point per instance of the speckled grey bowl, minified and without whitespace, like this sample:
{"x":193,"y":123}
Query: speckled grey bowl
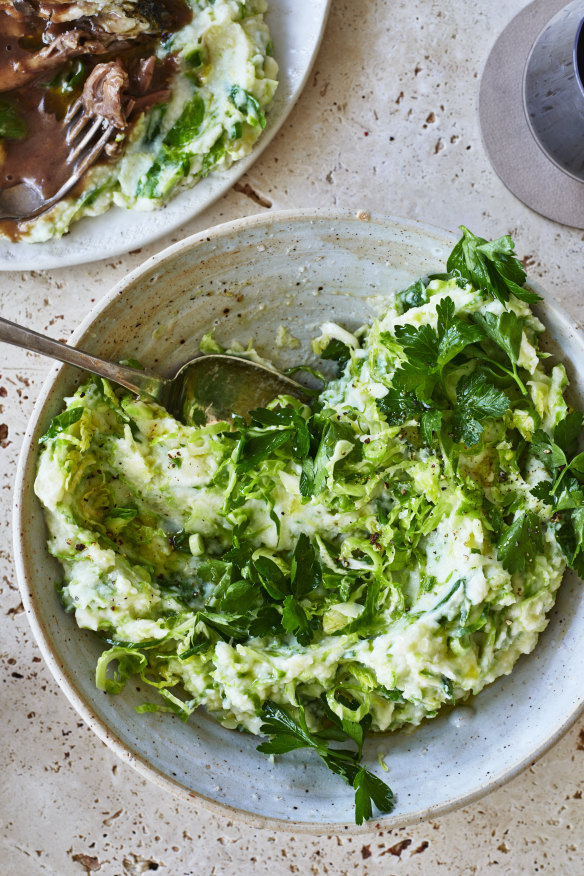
{"x":247,"y":278}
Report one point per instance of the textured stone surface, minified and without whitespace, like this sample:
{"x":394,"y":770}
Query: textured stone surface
{"x":387,"y":123}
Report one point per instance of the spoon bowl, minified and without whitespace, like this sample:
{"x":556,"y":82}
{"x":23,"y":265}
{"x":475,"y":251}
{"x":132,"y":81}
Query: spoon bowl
{"x":213,"y":387}
{"x":207,"y":389}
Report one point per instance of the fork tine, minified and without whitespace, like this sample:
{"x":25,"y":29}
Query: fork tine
{"x":92,"y":131}
{"x":79,"y":126}
{"x":73,"y":110}
{"x":76,"y":128}
{"x":94,"y":152}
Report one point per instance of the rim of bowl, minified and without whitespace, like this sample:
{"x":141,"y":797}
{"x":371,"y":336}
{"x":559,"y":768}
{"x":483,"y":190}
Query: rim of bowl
{"x":100,"y":728}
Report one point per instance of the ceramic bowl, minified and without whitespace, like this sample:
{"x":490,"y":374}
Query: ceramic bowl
{"x":246,"y":279}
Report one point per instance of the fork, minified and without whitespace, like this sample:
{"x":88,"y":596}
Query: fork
{"x":87,"y":139}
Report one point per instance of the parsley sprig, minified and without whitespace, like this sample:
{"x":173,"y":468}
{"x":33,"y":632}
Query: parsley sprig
{"x":270,"y":428}
{"x":476,"y":400}
{"x":427,"y":351}
{"x":289,"y":734}
{"x":419,"y":385}
{"x":491,"y":267}
{"x":251,"y":596}
{"x":506,"y":331}
{"x":565,"y":491}
{"x":520,"y":542}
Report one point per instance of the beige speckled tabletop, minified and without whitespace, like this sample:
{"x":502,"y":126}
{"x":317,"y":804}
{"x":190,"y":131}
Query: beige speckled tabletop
{"x":388,"y":123}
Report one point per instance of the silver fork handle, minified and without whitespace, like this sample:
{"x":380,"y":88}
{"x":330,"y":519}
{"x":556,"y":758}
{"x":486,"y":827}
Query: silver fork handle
{"x":140,"y":382}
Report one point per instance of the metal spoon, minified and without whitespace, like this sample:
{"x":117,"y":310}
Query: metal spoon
{"x":206,"y":389}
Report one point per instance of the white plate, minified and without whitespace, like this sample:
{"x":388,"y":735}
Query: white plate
{"x":295,"y":269}
{"x":296,"y":27}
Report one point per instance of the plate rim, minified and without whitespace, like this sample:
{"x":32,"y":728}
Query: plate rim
{"x":59,"y":672}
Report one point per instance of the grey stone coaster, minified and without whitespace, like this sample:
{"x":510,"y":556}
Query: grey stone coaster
{"x":514,"y":153}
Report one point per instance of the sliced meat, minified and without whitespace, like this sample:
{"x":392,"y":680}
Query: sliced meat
{"x":129,"y":18}
{"x":142,"y":77}
{"x":143,"y":104}
{"x":18,"y":9}
{"x":149,"y":84}
{"x":66,"y":10}
{"x":117,"y":22}
{"x":68,"y":45}
{"x":103,"y":93}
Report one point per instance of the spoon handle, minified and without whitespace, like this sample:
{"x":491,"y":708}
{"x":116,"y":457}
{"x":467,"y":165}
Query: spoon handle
{"x":140,"y":382}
